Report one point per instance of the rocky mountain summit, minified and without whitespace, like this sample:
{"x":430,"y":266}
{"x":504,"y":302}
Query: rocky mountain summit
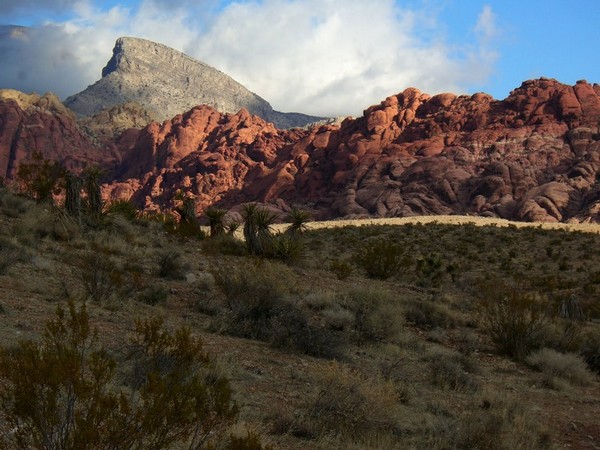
{"x":166,"y":82}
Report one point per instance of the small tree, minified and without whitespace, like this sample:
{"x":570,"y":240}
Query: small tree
{"x":41,"y":178}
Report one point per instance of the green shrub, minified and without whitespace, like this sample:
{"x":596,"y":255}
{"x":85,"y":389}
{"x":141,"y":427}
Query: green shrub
{"x":61,"y":392}
{"x":380,"y":259}
{"x":568,"y":366}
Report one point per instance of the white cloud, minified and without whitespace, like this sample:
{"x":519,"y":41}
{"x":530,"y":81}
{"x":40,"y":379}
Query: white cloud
{"x":324,"y":57}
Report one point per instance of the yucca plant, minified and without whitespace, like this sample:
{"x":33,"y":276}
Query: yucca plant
{"x":297,"y":219}
{"x":91,"y":185}
{"x":216,"y":220}
{"x":73,"y":194}
{"x":258,"y":233}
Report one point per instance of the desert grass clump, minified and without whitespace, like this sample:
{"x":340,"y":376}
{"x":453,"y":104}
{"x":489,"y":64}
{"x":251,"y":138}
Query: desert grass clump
{"x":348,"y":403}
{"x":45,"y":221}
{"x":494,"y":423}
{"x":154,"y":295}
{"x":11,"y":253}
{"x":171,"y":265}
{"x":453,"y":370}
{"x":567,"y":366}
{"x":377,"y":315}
{"x":428,"y":314}
{"x":12,"y":204}
{"x":516,"y":319}
{"x":380,"y":258}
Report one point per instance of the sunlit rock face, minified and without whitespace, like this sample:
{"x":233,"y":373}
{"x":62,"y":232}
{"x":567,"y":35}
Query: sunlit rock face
{"x":166,"y":82}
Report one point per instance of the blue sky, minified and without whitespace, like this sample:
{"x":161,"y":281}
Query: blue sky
{"x":327,"y":57}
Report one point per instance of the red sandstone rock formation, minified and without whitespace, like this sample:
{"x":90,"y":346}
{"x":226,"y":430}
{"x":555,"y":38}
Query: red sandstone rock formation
{"x":532,"y":156}
{"x":31,"y":123}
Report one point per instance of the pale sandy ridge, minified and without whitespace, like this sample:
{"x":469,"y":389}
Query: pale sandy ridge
{"x":449,"y":220}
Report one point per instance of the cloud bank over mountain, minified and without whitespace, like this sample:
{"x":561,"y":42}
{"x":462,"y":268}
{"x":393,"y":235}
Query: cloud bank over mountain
{"x":319,"y":57}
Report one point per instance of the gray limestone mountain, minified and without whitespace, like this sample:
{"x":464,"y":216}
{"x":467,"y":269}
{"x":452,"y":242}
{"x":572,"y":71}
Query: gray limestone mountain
{"x":167,"y":82}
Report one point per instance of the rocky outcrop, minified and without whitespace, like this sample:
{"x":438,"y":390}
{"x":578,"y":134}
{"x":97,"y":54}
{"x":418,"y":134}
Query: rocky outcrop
{"x":532,"y":156}
{"x":30,"y":122}
{"x":166,"y":82}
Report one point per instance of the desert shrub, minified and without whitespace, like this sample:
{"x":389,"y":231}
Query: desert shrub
{"x":342,"y":269}
{"x":13,"y":205}
{"x":427,"y":314}
{"x":338,"y":318}
{"x":61,"y":392}
{"x":11,"y":253}
{"x":170,"y":265}
{"x":376,"y":314}
{"x":453,"y":370}
{"x":590,"y":351}
{"x":249,"y":442}
{"x":568,"y":366}
{"x":224,"y":244}
{"x":290,"y":328}
{"x":380,"y":258}
{"x":259,"y":304}
{"x":430,"y":270}
{"x":253,"y":296}
{"x":349,"y":403}
{"x":495,"y":424}
{"x":102,"y":277}
{"x":516,"y":319}
{"x":154,"y":295}
{"x":41,"y":222}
